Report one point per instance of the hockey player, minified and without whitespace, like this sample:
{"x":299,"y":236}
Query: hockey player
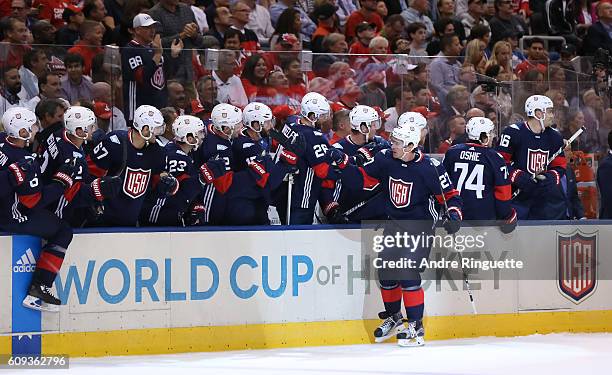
{"x":481,"y":176}
{"x":410,"y":182}
{"x":87,"y":191}
{"x":362,"y":144}
{"x":22,"y":202}
{"x":139,"y":160}
{"x":182,"y":208}
{"x":526,"y":147}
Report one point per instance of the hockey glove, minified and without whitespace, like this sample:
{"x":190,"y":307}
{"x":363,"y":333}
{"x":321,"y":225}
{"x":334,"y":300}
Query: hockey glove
{"x":67,"y":172}
{"x":20,"y":172}
{"x":106,"y":187}
{"x":334,"y":214}
{"x":509,"y":224}
{"x":195,"y":216}
{"x":524,"y":181}
{"x":452,"y":222}
{"x":337,"y":158}
{"x":363,"y":155}
{"x":259,"y":173}
{"x":288,"y":157}
{"x":548,"y":179}
{"x":168,"y":185}
{"x":211,"y":170}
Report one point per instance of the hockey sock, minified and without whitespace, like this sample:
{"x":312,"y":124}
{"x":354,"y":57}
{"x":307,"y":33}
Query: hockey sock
{"x":49,"y":264}
{"x":414,"y":302}
{"x":391,"y":296}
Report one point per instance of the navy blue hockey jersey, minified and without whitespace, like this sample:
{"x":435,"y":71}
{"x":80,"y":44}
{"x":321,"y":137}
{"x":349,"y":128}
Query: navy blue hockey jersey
{"x":480,"y":175}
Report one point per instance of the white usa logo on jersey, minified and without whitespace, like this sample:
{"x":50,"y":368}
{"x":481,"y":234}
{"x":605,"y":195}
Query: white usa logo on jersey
{"x":537,"y":161}
{"x":136,"y":182}
{"x":399,"y":192}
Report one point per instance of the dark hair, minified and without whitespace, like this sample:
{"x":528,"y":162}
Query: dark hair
{"x":447,"y":41}
{"x":441,"y":24}
{"x":248,"y":72}
{"x":610,"y":139}
{"x":414,"y":27}
{"x":416,"y":86}
{"x":285,"y":22}
{"x":231,"y":33}
{"x":7,"y":24}
{"x":493,"y":70}
{"x":398,"y":92}
{"x":88,"y":7}
{"x":47,"y":107}
{"x":44,"y":78}
{"x":479,"y":31}
{"x":531,"y":75}
{"x":395,"y":18}
{"x":286,"y":62}
{"x":536,"y":40}
{"x":30,"y":56}
{"x":73,"y":58}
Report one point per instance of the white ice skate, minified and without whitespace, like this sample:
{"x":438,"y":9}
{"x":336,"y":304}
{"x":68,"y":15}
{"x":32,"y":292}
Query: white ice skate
{"x":414,"y":335}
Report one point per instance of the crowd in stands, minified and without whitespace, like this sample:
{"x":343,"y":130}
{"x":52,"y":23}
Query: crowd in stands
{"x":447,"y":59}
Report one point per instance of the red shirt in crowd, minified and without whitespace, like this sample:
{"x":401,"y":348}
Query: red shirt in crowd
{"x":87,"y":52}
{"x":51,"y":10}
{"x":526,"y":66}
{"x":356,"y":18}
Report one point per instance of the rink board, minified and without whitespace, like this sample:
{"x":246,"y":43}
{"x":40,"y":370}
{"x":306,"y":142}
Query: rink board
{"x":159,"y":292}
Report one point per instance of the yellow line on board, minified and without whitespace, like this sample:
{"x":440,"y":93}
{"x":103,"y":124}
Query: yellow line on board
{"x":267,"y":336}
{"x":6,"y":346}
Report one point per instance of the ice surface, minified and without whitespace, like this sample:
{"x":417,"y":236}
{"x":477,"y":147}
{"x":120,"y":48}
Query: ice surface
{"x":557,"y":354}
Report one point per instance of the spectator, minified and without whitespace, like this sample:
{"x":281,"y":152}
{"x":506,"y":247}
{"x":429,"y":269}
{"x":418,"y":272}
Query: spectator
{"x":308,"y":26}
{"x":207,"y":93}
{"x":483,"y":34}
{"x":473,"y":17}
{"x":327,"y":23}
{"x":372,"y":93}
{"x":404,"y":101}
{"x":604,"y":182}
{"x":367,"y":13}
{"x":417,"y":33}
{"x":89,"y":45}
{"x":593,"y":113}
{"x":482,"y":99}
{"x":241,"y":13}
{"x":445,"y":68}
{"x":75,"y":85}
{"x":34,"y":65}
{"x":170,"y":115}
{"x":446,"y":9}
{"x":502,"y":56}
{"x":116,"y":10}
{"x":365,"y":32}
{"x":598,"y":35}
{"x":293,"y":72}
{"x":394,"y":28}
{"x":102,"y":92}
{"x":584,"y":15}
{"x":10,"y":86}
{"x":21,"y":9}
{"x":69,"y":34}
{"x":505,"y":20}
{"x":289,"y":22}
{"x":130,"y":10}
{"x":95,"y":10}
{"x":417,"y":13}
{"x":210,"y":9}
{"x":177,"y":98}
{"x":51,"y":10}
{"x":260,"y":22}
{"x":199,"y":15}
{"x":456,"y":126}
{"x":229,"y":86}
{"x":421,"y":94}
{"x":536,"y":58}
{"x":341,"y":125}
{"x":254,"y":75}
{"x":333,"y":45}
{"x":143,"y":74}
{"x":222,"y":21}
{"x":443,"y":27}
{"x":381,"y":9}
{"x":49,"y":87}
{"x":44,"y":32}
{"x":16,"y":37}
{"x":232,"y":39}
{"x":176,"y":20}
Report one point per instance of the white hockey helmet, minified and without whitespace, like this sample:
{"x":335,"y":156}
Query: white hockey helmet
{"x":314,"y":106}
{"x":405,"y":135}
{"x":412,"y":118}
{"x":257,"y":116}
{"x":535,"y":102}
{"x":187,"y":125}
{"x":79,"y":117}
{"x":478,"y":125}
{"x":17,"y":118}
{"x":147,"y":115}
{"x":363,"y":118}
{"x":226,"y":119}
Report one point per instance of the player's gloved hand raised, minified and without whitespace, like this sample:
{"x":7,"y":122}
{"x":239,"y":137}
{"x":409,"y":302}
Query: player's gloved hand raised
{"x":337,"y":158}
{"x":509,"y":225}
{"x":548,"y":179}
{"x":452,"y":221}
{"x":334,"y":214}
{"x":288,"y":157}
{"x":21,"y":171}
{"x":525,"y":182}
{"x":106,"y":187}
{"x":168,"y":185}
{"x":68,"y":172}
{"x":363,"y":155}
{"x":211,"y":170}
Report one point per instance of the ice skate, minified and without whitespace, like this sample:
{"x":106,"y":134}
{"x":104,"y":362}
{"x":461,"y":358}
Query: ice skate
{"x":391,"y":326}
{"x":41,"y":298}
{"x":414,"y":335}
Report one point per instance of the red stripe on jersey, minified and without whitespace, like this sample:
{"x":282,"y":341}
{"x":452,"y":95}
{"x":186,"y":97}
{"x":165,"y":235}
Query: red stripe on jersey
{"x":94,"y":169}
{"x":391,"y":295}
{"x":413,"y":298}
{"x":503,"y":192}
{"x":368,"y":181}
{"x":49,"y":262}
{"x":559,"y":161}
{"x":30,"y":200}
{"x":72,"y":191}
{"x":223,"y":183}
{"x":448,"y":195}
{"x":321,"y":170}
{"x":507,"y":157}
{"x":328,"y":184}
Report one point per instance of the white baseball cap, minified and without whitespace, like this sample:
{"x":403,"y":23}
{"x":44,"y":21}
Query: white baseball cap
{"x":143,"y":20}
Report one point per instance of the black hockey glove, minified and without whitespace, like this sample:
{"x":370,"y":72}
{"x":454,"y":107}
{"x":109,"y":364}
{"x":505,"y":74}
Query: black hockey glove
{"x":168,"y":185}
{"x":195,"y":216}
{"x":525,"y":182}
{"x":334,"y":214}
{"x":452,"y":221}
{"x":106,"y":187}
{"x":21,"y":171}
{"x":337,"y":158}
{"x":211,"y":170}
{"x":68,"y":172}
{"x":509,"y":225}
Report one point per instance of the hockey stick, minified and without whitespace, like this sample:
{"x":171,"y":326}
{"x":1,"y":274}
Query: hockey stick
{"x":361,"y":204}
{"x":557,"y":153}
{"x":465,"y":275}
{"x":289,"y":189}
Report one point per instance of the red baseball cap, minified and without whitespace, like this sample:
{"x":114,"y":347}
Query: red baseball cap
{"x":102,"y":110}
{"x":196,"y":107}
{"x":425,"y":112}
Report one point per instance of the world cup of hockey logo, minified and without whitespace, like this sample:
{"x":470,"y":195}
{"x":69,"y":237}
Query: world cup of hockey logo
{"x":399,"y":192}
{"x":537,"y":161}
{"x":577,"y":265}
{"x":136,"y":182}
